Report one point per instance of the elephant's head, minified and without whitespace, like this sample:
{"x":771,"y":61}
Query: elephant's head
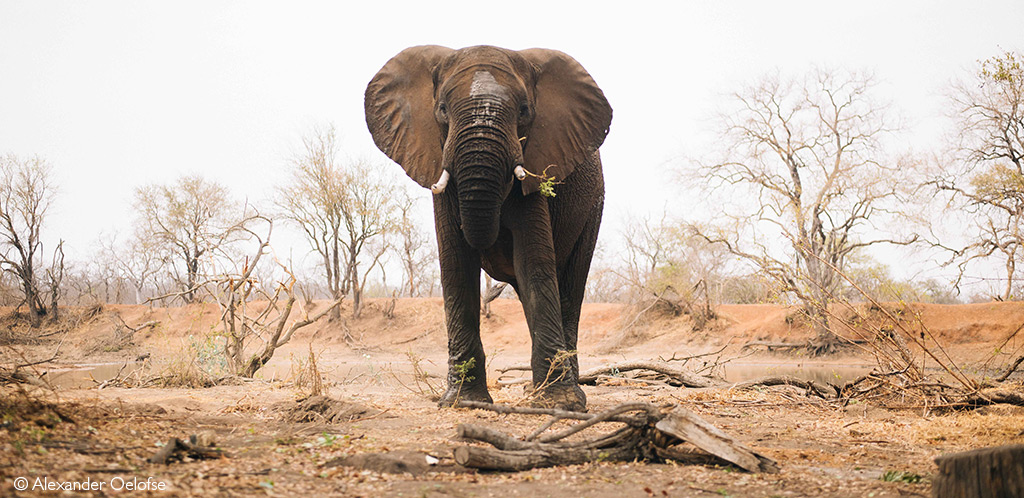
{"x":470,"y":118}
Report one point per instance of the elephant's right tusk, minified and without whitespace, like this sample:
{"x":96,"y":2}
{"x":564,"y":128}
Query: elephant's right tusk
{"x":520,"y":172}
{"x":442,"y":182}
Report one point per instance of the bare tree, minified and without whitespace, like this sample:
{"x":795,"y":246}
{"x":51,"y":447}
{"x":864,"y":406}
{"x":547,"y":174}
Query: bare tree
{"x":604,"y":283}
{"x":339,"y":210}
{"x":26,"y":192}
{"x":136,"y":262}
{"x":54,"y":279}
{"x":667,"y":267}
{"x":313,"y":200}
{"x":369,"y":213}
{"x":807,"y":158}
{"x":984,"y":176}
{"x":244,"y":324}
{"x":10,"y":292}
{"x":254,"y":320}
{"x":415,"y":250}
{"x":189,"y":220}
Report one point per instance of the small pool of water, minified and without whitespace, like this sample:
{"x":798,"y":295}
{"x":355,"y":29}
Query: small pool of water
{"x":87,"y":375}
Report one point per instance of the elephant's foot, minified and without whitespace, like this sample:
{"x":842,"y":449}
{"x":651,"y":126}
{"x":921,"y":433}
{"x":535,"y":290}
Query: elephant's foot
{"x":562,"y":397}
{"x":470,"y":392}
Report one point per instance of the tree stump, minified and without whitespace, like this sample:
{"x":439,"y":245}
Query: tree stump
{"x":996,"y":472}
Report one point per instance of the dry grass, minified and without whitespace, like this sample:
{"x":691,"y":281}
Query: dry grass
{"x":421,"y":383}
{"x":306,"y":375}
{"x":186,"y":370}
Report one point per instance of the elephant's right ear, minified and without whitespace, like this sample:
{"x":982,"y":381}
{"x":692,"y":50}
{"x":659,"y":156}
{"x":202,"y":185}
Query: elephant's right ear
{"x":399,"y":105}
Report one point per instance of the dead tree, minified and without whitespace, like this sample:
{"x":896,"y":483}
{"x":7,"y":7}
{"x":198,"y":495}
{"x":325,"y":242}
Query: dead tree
{"x":26,"y":192}
{"x":253,"y":331}
{"x":54,"y":279}
{"x":191,"y":220}
{"x":341,"y":210}
{"x":803,"y":167}
{"x":243,"y":324}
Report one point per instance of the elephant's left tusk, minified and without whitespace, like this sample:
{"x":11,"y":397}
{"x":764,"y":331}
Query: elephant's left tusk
{"x":442,"y":182}
{"x":520,"y":172}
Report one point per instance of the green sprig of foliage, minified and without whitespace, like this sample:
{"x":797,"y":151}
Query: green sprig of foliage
{"x":900,"y":476}
{"x":462,"y":370}
{"x":547,"y":183}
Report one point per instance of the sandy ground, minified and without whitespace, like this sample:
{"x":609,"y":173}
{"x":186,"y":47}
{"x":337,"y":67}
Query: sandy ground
{"x":824,"y":448}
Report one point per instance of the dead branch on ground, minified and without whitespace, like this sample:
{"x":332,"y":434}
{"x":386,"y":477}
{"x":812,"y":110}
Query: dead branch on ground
{"x":650,"y":433}
{"x":675,"y":376}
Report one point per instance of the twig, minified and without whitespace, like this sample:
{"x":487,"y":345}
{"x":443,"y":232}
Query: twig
{"x":420,"y":336}
{"x":693,"y":357}
{"x":56,"y":351}
{"x":1009,"y":371}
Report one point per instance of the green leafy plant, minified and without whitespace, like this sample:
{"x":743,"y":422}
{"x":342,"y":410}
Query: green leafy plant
{"x":462,"y":371}
{"x":327,"y":439}
{"x":900,"y":476}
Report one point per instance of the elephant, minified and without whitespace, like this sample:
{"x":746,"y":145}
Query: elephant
{"x":490,"y":131}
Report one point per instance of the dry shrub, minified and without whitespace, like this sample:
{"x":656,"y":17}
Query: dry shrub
{"x":306,"y":374}
{"x":187,"y":368}
{"x":421,"y":383}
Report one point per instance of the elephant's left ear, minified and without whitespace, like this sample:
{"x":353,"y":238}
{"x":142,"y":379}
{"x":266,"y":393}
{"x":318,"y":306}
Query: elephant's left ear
{"x":571,"y":121}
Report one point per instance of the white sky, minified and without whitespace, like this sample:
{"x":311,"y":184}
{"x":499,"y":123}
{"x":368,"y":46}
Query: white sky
{"x":120,"y":94}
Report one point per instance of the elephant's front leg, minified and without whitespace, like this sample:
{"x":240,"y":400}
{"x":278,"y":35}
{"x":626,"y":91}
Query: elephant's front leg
{"x":536,"y":274}
{"x":460,"y":282}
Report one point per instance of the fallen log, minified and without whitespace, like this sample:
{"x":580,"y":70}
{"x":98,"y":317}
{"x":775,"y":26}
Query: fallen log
{"x":680,"y":377}
{"x":994,"y":396}
{"x":653,"y":434}
{"x":818,"y":388}
{"x":478,"y":457}
{"x":769,"y":345}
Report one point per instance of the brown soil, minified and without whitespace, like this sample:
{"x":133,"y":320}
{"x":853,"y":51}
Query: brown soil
{"x":373,"y":436}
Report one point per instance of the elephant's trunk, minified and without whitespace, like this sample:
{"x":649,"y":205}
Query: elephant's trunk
{"x":483,"y":152}
{"x":481,"y":193}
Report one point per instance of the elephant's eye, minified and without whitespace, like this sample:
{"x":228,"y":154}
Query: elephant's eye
{"x":524,"y":110}
{"x":443,"y":109}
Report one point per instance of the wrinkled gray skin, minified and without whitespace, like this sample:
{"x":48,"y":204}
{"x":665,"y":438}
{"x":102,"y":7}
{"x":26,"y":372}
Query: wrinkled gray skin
{"x":478,"y":113}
